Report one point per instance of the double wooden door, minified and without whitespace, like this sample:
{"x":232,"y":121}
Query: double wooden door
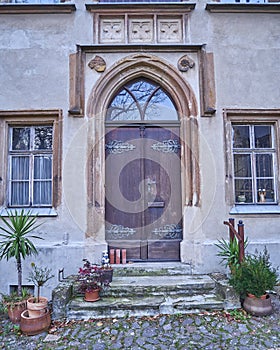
{"x":143,"y":192}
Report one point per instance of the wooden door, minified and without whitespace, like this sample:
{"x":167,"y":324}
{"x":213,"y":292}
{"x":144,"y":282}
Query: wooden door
{"x":143,"y":192}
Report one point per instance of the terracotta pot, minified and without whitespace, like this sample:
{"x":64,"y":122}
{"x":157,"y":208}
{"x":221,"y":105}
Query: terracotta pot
{"x":33,"y":326}
{"x":92,"y":295}
{"x":37,"y":309}
{"x":15,"y":310}
{"x":258,"y":306}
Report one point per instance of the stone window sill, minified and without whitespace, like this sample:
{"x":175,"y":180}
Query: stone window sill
{"x":243,"y":8}
{"x":35,"y":211}
{"x":255,"y":209}
{"x":36,"y":8}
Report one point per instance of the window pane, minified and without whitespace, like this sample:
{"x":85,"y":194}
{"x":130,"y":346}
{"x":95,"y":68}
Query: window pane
{"x":19,"y":193}
{"x":20,"y":168}
{"x":43,"y":137}
{"x":242,"y":165}
{"x":243,"y":191}
{"x":264,"y":164}
{"x":263,"y":137}
{"x":241,"y":136}
{"x":123,"y":107}
{"x":42,"y":167}
{"x":266,"y":191}
{"x":161,"y":108}
{"x":20,"y":139}
{"x":42,"y":193}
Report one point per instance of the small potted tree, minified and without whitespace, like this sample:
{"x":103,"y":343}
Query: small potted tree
{"x":37,"y":306}
{"x":15,"y":243}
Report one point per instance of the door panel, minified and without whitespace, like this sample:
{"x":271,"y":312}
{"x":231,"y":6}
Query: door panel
{"x":143,"y":192}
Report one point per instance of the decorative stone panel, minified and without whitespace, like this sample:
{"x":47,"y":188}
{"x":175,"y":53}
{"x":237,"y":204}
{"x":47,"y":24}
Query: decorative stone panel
{"x":138,"y":28}
{"x":141,"y":30}
{"x":112,"y":30}
{"x":170,"y":30}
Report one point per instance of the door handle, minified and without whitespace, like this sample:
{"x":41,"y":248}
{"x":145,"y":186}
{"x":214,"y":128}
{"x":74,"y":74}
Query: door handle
{"x":150,"y":184}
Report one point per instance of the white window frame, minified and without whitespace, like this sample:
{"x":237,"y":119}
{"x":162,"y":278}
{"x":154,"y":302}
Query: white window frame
{"x":52,"y":117}
{"x":31,"y":153}
{"x":253,"y":152}
{"x":250,"y":117}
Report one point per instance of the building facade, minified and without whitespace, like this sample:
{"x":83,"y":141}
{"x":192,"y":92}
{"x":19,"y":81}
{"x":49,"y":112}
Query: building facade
{"x":140,"y":126}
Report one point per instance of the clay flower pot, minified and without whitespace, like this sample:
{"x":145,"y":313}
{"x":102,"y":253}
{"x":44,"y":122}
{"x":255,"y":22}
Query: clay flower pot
{"x":15,"y":310}
{"x":33,"y":326}
{"x":92,"y":295}
{"x":258,"y":306}
{"x":36,"y":309}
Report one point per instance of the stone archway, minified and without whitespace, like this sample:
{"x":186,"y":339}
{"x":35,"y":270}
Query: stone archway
{"x":162,"y":72}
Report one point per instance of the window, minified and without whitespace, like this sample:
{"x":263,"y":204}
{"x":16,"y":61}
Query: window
{"x":30,"y":166}
{"x":141,"y":100}
{"x":30,"y":160}
{"x":254,"y":158}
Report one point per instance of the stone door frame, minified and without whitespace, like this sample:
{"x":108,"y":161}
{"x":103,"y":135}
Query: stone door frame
{"x":132,"y":67}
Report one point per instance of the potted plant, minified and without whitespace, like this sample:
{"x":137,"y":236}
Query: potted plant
{"x":91,"y":281}
{"x":253,"y":279}
{"x":229,"y":252}
{"x":15,"y":304}
{"x":37,"y":306}
{"x":107,"y":273}
{"x":15,"y":241}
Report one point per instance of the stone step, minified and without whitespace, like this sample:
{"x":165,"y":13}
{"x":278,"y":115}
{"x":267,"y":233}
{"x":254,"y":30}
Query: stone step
{"x":152,"y":269}
{"x":160,"y":285}
{"x":142,"y":306}
{"x":146,"y":290}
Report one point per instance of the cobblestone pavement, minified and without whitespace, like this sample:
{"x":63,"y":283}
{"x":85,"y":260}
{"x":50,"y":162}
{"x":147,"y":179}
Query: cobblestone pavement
{"x":216,"y":330}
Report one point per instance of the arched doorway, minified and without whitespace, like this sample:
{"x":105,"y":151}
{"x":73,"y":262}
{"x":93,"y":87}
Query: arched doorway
{"x":162,"y":74}
{"x":143,"y":206}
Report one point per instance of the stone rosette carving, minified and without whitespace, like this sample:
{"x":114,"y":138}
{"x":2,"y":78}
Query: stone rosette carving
{"x":185,"y":63}
{"x":98,"y":64}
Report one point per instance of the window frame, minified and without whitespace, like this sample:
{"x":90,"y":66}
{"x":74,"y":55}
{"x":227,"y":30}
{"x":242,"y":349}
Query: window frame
{"x":250,"y":117}
{"x":30,"y":118}
{"x":31,"y":154}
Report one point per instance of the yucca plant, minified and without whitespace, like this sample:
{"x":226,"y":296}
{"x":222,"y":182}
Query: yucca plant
{"x":229,"y":252}
{"x":16,"y":241}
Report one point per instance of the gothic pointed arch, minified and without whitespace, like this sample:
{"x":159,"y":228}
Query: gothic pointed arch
{"x":169,"y":78}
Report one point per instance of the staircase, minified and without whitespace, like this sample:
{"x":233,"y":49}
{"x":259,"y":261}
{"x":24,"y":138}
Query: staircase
{"x":144,"y":290}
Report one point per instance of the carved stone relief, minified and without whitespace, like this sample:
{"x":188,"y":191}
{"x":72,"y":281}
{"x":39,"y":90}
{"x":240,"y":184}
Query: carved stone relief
{"x":185,"y":63}
{"x":146,"y":29}
{"x":141,"y":30}
{"x":98,"y":64}
{"x":112,"y":30}
{"x":170,"y":30}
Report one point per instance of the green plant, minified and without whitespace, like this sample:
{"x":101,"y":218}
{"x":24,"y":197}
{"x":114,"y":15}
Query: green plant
{"x":255,"y":275}
{"x":39,"y":276}
{"x":13,"y":298}
{"x":16,"y":243}
{"x":90,"y":277}
{"x":229,"y":252}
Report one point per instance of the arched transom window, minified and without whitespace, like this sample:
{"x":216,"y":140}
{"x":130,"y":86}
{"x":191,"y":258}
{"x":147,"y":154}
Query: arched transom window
{"x":141,"y":100}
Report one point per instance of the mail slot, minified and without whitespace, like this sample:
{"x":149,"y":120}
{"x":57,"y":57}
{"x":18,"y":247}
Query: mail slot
{"x":156,"y":204}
